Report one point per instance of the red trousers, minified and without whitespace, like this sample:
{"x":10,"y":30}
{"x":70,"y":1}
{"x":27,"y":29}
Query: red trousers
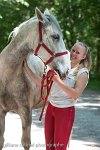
{"x":58,"y":126}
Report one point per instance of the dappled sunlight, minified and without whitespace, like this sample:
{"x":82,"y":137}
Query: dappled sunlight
{"x":13,"y":132}
{"x":81,"y":145}
{"x":90,"y":98}
{"x":35,"y":118}
{"x":87,"y":104}
{"x":86,"y":129}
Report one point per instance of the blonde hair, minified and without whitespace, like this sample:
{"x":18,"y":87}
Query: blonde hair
{"x":87,"y":61}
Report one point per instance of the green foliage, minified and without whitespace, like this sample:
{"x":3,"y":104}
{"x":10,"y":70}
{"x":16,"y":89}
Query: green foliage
{"x":79,"y":20}
{"x":94,"y":85}
{"x":94,"y":82}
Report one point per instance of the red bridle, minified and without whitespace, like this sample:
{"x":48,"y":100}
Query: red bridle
{"x":46,"y":84}
{"x":46,"y":77}
{"x":41,"y":43}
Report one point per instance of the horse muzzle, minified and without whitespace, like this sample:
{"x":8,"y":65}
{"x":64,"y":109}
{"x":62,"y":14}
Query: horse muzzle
{"x":62,"y":75}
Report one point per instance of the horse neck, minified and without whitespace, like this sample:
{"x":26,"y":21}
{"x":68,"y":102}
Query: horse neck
{"x":11,"y":59}
{"x":14,"y":53}
{"x":19,"y":47}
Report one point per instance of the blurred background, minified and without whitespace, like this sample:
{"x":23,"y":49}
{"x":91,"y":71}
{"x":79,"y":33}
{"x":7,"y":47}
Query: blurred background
{"x":78,"y":19}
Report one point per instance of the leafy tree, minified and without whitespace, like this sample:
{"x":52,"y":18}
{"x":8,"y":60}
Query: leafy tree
{"x":79,"y":20}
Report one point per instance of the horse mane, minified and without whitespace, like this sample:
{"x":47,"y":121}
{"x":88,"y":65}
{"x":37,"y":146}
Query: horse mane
{"x":49,"y":17}
{"x":13,"y":33}
{"x":17,"y":29}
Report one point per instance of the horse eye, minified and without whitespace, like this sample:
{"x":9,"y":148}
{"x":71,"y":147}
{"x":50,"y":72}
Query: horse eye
{"x":49,"y":19}
{"x":55,"y":36}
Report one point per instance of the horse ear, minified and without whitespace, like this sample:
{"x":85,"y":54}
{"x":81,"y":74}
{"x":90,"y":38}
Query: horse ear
{"x":46,"y":12}
{"x":39,"y":14}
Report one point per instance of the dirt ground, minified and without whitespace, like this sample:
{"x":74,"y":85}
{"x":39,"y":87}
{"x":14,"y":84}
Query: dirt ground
{"x":86,"y":129}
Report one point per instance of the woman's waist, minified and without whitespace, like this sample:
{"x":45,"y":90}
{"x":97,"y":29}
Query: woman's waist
{"x":62,"y":101}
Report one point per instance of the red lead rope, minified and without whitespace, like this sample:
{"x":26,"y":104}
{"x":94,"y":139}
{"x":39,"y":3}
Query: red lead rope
{"x":46,"y":83}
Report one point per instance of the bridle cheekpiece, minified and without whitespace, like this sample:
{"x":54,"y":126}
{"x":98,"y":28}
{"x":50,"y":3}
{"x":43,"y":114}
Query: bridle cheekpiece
{"x":41,"y":43}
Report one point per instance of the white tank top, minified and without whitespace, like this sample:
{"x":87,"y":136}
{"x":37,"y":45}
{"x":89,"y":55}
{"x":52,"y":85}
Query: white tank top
{"x":58,"y":97}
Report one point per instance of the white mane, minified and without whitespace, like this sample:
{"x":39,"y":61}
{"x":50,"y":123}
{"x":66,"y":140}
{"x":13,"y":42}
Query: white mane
{"x":19,"y":28}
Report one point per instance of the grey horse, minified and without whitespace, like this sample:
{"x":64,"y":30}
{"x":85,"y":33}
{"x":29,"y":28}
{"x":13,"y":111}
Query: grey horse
{"x":17,"y":92}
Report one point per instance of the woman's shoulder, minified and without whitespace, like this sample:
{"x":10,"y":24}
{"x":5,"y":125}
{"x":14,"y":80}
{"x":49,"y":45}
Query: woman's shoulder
{"x":83,"y":70}
{"x":75,"y":72}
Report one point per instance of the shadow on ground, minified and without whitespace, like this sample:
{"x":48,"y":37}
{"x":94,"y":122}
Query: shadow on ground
{"x":86,"y":129}
{"x":87,"y":122}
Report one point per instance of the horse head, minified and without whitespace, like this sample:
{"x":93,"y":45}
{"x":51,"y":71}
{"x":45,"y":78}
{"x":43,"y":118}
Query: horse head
{"x":51,"y":47}
{"x":43,"y":36}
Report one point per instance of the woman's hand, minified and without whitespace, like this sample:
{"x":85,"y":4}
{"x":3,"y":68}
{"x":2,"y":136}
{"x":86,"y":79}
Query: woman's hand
{"x":56,"y":77}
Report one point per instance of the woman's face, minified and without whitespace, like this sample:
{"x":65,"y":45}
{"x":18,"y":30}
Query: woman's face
{"x":77,"y":54}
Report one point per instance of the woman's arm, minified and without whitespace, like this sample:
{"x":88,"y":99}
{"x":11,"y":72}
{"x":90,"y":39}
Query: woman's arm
{"x":79,"y":86}
{"x":31,"y":74}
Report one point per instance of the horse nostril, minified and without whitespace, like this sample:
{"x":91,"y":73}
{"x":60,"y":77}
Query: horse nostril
{"x":62,"y":76}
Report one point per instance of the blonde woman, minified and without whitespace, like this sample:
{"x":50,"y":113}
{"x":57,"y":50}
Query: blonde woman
{"x":64,"y":94}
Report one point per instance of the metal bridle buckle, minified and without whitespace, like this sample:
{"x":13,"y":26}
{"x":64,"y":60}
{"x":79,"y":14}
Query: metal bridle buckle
{"x":45,"y":68}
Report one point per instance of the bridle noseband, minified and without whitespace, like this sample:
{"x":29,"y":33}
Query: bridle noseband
{"x":41,"y":43}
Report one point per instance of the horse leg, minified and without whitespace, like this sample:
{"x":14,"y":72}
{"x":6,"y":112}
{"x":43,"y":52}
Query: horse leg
{"x":2,"y":128}
{"x":26,"y":119}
